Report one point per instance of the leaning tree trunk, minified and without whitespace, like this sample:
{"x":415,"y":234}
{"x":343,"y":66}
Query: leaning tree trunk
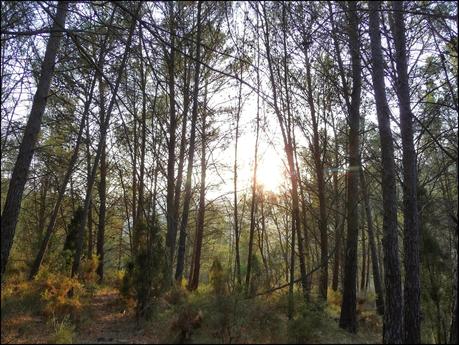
{"x":26,"y":150}
{"x":393,"y":313}
{"x":412,"y":289}
{"x":52,"y":221}
{"x":348,"y":318}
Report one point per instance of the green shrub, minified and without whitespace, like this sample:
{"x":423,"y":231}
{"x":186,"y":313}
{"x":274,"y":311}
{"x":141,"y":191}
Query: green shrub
{"x":305,"y":327}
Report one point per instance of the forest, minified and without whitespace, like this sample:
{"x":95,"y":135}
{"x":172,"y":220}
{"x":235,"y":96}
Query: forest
{"x":229,"y":172}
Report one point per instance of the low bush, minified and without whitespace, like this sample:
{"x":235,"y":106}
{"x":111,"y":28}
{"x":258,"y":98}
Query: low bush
{"x":63,"y":331}
{"x":60,"y":294}
{"x":305,"y":327}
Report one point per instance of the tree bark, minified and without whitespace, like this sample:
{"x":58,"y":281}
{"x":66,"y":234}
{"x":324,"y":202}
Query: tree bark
{"x":102,"y":183}
{"x":348,"y":318}
{"x":196,"y":267}
{"x":412,"y":289}
{"x":171,"y":221}
{"x":392,"y":333}
{"x":364,"y":249}
{"x":21,"y":168}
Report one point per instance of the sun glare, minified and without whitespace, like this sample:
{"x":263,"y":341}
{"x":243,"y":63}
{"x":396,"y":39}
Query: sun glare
{"x":269,"y":172}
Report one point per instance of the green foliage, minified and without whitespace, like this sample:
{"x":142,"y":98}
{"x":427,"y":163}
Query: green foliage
{"x":305,"y":327}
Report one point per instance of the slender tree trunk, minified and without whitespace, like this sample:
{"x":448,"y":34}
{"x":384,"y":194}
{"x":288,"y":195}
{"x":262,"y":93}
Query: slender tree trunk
{"x":290,"y":146}
{"x":348,"y":318}
{"x":393,"y":312}
{"x":372,"y":245}
{"x":82,"y":225}
{"x":235,"y":215}
{"x":453,"y":338}
{"x":364,"y":251}
{"x":52,"y":221}
{"x":171,"y":221}
{"x":181,"y":160}
{"x":412,"y":289}
{"x":323,"y":284}
{"x":21,"y":168}
{"x":286,"y":135}
{"x":338,"y":222}
{"x":196,"y":267}
{"x":102,"y":183}
{"x":187,"y":199}
{"x":304,"y":225}
{"x":88,"y":174}
{"x":143,"y":135}
{"x":254,"y":177}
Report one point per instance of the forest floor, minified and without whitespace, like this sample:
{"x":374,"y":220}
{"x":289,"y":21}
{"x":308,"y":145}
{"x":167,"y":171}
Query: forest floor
{"x":106,"y":318}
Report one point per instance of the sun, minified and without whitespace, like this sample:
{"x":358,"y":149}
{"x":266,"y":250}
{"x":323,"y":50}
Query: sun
{"x":269,"y":171}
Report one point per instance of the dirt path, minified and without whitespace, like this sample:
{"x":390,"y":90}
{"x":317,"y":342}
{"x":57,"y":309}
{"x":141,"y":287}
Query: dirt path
{"x":106,"y":322}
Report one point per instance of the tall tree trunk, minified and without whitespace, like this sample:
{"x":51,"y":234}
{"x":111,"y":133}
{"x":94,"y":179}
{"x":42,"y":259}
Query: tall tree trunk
{"x":364,"y":249}
{"x":254,"y":177}
{"x":393,"y":313}
{"x":412,"y":288}
{"x":82,"y":225}
{"x":453,"y":338}
{"x":323,"y":282}
{"x":171,"y":222}
{"x":339,"y":224}
{"x":181,"y":160}
{"x":348,"y":318}
{"x":187,"y":199}
{"x":88,"y":174}
{"x":103,"y":182}
{"x":140,"y":216}
{"x":21,"y":168}
{"x":196,"y":267}
{"x":235,"y":215}
{"x":372,"y":244}
{"x":288,"y":144}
